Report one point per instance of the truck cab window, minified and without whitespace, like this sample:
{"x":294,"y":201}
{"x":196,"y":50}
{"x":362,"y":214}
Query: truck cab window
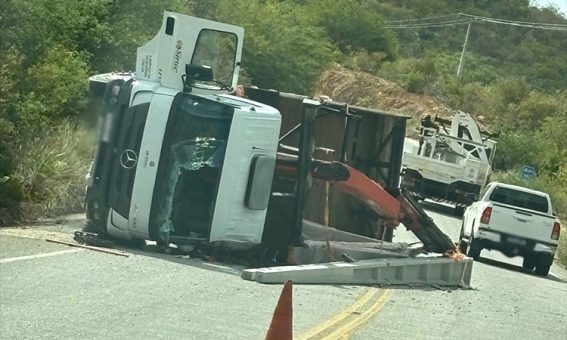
{"x":218,"y":50}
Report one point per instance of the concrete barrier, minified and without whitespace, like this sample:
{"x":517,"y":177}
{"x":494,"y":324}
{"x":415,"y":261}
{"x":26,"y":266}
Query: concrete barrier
{"x":440,"y":271}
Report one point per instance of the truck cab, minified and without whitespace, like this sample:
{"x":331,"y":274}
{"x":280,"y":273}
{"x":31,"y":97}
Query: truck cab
{"x":167,"y":132}
{"x":514,"y":220}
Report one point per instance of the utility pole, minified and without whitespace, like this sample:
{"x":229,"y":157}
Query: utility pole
{"x":460,"y":69}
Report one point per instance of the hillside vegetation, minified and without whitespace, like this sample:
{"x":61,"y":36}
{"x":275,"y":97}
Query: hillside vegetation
{"x":512,"y":75}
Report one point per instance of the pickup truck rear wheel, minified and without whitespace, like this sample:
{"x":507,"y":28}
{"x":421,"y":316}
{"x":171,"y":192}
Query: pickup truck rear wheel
{"x":474,"y":250}
{"x":462,"y":244}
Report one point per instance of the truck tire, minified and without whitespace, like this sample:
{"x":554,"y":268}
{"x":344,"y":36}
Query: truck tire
{"x":474,"y":250}
{"x":542,"y":269}
{"x":462,"y":244}
{"x":529,"y":263}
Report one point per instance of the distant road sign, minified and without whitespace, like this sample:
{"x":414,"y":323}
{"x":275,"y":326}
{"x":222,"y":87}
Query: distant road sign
{"x":528,"y":172}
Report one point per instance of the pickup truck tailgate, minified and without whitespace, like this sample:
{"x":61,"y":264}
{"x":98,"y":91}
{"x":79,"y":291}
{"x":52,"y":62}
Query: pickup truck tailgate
{"x":523,"y":223}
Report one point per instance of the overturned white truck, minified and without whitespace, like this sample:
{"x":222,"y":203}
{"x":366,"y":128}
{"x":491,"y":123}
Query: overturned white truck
{"x":180,"y":160}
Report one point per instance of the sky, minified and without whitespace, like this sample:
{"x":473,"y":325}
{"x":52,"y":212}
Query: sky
{"x":561,"y":4}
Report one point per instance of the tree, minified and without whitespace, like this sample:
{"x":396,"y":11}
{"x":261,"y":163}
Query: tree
{"x":282,"y":50}
{"x":353,"y":25}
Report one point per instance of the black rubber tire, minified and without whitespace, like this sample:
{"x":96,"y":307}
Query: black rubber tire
{"x":529,"y":263}
{"x":474,"y":250}
{"x":462,"y":244}
{"x":542,"y":269}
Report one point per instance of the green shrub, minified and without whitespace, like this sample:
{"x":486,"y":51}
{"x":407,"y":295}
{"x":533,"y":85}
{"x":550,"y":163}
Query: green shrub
{"x":365,"y":61}
{"x":415,"y":82}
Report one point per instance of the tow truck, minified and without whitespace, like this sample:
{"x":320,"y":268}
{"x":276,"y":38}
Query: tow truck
{"x":451,"y":165}
{"x":182,"y":160}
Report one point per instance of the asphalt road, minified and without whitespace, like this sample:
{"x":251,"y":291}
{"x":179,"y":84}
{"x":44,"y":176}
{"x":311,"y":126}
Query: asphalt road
{"x":51,"y":291}
{"x":505,"y":302}
{"x":82,"y":294}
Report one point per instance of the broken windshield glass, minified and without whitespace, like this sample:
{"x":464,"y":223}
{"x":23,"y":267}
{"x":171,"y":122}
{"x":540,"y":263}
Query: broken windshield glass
{"x":190,"y":168}
{"x":188,"y":155}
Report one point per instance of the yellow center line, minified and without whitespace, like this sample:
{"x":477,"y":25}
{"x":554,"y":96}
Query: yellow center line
{"x":346,"y":321}
{"x":344,"y":331}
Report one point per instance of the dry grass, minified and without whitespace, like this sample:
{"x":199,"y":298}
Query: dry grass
{"x":53,"y":169}
{"x":363,"y":89}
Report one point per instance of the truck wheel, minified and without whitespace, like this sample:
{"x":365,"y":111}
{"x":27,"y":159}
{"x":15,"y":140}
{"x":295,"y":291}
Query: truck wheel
{"x":474,"y":250}
{"x":528,"y":263}
{"x":462,"y":245}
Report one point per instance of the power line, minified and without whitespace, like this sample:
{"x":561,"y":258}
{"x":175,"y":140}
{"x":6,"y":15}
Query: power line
{"x":441,"y":24}
{"x":422,"y":22}
{"x":564,"y":29}
{"x":512,"y":21}
{"x":420,"y":19}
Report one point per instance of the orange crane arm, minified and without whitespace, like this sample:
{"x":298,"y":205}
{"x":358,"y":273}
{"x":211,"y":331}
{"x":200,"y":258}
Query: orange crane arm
{"x":394,"y":206}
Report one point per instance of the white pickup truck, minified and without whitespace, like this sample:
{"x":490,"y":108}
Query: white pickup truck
{"x":514,"y":220}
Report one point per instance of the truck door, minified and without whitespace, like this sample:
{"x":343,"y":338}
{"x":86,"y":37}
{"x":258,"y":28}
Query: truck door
{"x":184,"y":40}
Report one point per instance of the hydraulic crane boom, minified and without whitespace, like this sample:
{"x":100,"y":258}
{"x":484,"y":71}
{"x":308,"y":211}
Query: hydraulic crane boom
{"x":394,"y":206}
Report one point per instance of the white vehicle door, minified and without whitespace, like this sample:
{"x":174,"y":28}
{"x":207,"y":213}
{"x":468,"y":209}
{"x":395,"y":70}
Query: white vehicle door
{"x":183,"y":40}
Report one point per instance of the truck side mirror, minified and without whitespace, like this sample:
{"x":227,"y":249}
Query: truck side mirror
{"x":199,"y":72}
{"x":194,"y":72}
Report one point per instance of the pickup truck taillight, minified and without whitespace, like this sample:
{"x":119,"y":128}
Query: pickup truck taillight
{"x":556,"y":231}
{"x":485,"y":218}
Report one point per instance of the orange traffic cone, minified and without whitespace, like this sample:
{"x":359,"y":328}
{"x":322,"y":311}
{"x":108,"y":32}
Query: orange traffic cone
{"x":281,"y":327}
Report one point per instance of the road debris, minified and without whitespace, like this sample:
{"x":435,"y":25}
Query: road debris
{"x":103,"y":250}
{"x":92,"y":239}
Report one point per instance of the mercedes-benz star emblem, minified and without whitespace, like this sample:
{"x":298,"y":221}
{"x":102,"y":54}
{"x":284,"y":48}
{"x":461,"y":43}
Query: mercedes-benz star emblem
{"x":128,"y":159}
